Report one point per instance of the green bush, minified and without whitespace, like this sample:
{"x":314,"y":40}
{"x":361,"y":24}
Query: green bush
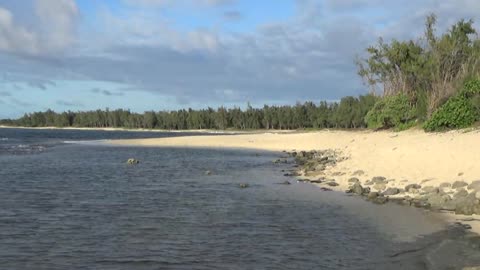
{"x":460,"y":111}
{"x":389,"y":112}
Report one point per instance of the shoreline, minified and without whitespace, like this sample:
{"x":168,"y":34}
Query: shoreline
{"x":402,"y":158}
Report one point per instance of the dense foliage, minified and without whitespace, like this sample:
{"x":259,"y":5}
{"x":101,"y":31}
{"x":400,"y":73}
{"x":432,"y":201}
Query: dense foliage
{"x":428,"y":70}
{"x":460,"y":111}
{"x":348,"y":113}
{"x":390,"y":111}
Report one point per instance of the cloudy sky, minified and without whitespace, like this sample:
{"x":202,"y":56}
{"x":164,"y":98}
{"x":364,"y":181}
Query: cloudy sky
{"x":169,"y":54}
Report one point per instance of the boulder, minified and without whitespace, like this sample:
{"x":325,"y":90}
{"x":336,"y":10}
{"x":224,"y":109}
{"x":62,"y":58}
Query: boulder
{"x":412,"y":186}
{"x":467,"y":205}
{"x":208,"y":172}
{"x":132,"y":161}
{"x":357,"y":189}
{"x":332,"y":184}
{"x":381,"y":200}
{"x":475,"y":185}
{"x":380,"y":186}
{"x":430,"y":189}
{"x":353,"y":180}
{"x":391,"y":191}
{"x":438,"y":201}
{"x":461,"y":193}
{"x":285,"y":183}
{"x":445,"y":185}
{"x":243,"y":185}
{"x":459,"y":184}
{"x":379,"y":180}
{"x":372,"y":195}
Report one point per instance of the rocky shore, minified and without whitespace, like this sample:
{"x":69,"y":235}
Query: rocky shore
{"x":320,"y":167}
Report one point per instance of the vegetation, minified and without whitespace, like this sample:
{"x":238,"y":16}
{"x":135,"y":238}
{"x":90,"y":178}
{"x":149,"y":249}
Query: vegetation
{"x":425,"y":74}
{"x":348,"y":113}
{"x":460,"y":111}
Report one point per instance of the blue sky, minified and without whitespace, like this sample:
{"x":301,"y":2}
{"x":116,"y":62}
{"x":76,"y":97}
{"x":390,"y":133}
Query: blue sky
{"x":169,"y":54}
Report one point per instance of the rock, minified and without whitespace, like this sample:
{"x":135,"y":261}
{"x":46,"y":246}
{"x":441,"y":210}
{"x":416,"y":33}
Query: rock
{"x":208,"y":172}
{"x":285,"y":183}
{"x":412,"y":186}
{"x":419,"y":203}
{"x":132,"y":161}
{"x":325,"y":189}
{"x":358,"y":173}
{"x":357,"y":189}
{"x":243,"y":185}
{"x":467,"y":205}
{"x":430,"y":189}
{"x":477,"y":195}
{"x":379,"y":180}
{"x":320,"y":167}
{"x":353,"y":180}
{"x":366,"y":190}
{"x":368,"y":183}
{"x":437,"y":201}
{"x":332,"y":184}
{"x":475,"y":185}
{"x":461,"y":193}
{"x":381,"y":200}
{"x":380,"y":186}
{"x":445,"y":185}
{"x":391,"y":191}
{"x":372,"y":195}
{"x":317,"y":181}
{"x":459,"y":184}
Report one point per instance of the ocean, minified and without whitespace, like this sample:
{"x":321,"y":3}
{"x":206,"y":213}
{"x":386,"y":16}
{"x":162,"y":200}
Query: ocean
{"x":68,"y":200}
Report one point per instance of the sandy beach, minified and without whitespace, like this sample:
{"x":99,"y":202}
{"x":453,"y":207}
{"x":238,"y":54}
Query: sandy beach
{"x":409,"y":157}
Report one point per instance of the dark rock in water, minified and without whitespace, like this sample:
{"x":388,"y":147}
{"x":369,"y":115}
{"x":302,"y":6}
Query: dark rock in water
{"x":420,"y":203}
{"x":317,"y":181}
{"x":243,"y":185}
{"x":285,"y":183}
{"x":459,"y":184}
{"x":325,"y":189}
{"x":303,"y":180}
{"x":293,"y":154}
{"x":379,"y":180}
{"x":372,"y":195}
{"x":381,"y":200}
{"x":475,"y":185}
{"x":132,"y":161}
{"x":357,"y":189}
{"x":412,"y":186}
{"x":430,"y":189}
{"x":391,"y":191}
{"x":208,"y":172}
{"x":450,"y":205}
{"x":332,"y":184}
{"x":366,"y":190}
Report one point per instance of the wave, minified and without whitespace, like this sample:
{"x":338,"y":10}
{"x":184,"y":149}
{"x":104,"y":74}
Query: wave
{"x":87,"y":142}
{"x":4,"y":139}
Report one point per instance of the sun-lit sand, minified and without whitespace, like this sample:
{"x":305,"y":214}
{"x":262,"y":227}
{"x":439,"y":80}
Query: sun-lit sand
{"x":407,"y":157}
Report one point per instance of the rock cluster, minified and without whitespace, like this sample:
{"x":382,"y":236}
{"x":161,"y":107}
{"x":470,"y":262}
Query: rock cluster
{"x":132,"y":161}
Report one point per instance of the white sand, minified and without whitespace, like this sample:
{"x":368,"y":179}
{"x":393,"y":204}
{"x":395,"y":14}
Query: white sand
{"x":407,"y":157}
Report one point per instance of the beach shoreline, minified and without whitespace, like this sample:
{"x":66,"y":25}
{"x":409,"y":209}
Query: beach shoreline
{"x":404,"y":158}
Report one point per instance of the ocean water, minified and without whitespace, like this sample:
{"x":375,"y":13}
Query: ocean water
{"x":67,"y":202}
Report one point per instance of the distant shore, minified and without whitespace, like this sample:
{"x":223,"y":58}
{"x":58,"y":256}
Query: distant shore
{"x":206,"y":131}
{"x":404,"y":158}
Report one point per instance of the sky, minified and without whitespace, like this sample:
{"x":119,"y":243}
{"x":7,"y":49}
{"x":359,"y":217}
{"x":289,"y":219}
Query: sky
{"x":170,"y":54}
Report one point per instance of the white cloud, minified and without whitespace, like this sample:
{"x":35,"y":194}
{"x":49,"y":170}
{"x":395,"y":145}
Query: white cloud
{"x":56,"y":30}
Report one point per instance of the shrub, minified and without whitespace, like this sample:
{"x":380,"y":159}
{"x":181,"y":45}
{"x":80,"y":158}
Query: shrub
{"x":460,"y":111}
{"x":390,"y":111}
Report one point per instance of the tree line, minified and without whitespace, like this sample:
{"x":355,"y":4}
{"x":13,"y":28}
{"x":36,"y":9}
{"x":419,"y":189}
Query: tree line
{"x":349,"y":112}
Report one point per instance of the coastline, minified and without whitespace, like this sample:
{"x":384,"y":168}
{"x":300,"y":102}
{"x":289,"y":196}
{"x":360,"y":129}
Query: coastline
{"x":404,"y":158}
